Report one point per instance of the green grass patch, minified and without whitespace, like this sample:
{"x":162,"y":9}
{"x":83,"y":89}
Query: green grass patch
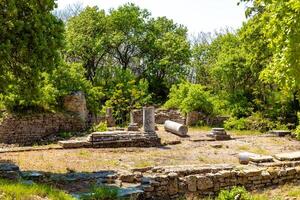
{"x":12,"y":190}
{"x":102,"y":193}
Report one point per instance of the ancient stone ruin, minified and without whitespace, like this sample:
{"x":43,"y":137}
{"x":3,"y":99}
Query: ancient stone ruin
{"x":146,"y":137}
{"x":280,"y":133}
{"x":172,"y":182}
{"x":219,"y":134}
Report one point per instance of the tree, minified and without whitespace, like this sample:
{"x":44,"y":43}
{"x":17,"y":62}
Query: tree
{"x":30,"y":39}
{"x":69,"y":11}
{"x":87,"y":40}
{"x":166,"y":55}
{"x":281,"y":19}
{"x":127,"y":27}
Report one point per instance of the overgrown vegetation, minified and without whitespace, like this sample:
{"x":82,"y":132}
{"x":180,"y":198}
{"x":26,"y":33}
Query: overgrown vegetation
{"x":102,"y":126}
{"x":102,"y":193}
{"x":125,"y":59}
{"x":11,"y":190}
{"x":234,"y":193}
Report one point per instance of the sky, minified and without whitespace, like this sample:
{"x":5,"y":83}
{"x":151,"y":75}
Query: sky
{"x":197,"y":15}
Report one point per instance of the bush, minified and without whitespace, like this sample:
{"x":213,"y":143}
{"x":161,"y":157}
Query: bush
{"x":235,"y":124}
{"x":101,"y":127}
{"x":254,"y":122}
{"x":235,"y":193}
{"x":190,"y":97}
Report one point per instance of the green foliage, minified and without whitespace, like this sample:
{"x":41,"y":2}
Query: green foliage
{"x":69,"y":78}
{"x":102,"y":193}
{"x":12,"y":190}
{"x":128,"y":38}
{"x":86,"y":39}
{"x":126,"y":96}
{"x":30,"y":39}
{"x":254,"y":122}
{"x":65,"y":135}
{"x":234,"y":193}
{"x":190,"y":97}
{"x":297,"y":130}
{"x":235,"y":124}
{"x":197,"y":99}
{"x":101,"y":127}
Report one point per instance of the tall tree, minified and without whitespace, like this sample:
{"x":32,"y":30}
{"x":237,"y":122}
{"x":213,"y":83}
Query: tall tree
{"x":166,"y":55}
{"x":127,"y":28}
{"x":87,"y":39}
{"x":30,"y":39}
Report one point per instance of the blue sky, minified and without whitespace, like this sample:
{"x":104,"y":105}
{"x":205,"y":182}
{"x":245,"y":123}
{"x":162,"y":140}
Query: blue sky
{"x":196,"y":15}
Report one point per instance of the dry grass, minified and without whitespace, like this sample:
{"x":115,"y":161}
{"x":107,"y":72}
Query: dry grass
{"x":287,"y":191}
{"x":188,"y":152}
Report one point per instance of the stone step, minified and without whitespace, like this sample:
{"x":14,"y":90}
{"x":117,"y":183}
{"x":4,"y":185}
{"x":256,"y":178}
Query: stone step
{"x":292,"y":156}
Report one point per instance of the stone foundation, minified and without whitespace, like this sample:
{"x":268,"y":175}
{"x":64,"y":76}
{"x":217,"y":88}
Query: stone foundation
{"x":169,"y":182}
{"x":171,"y":185}
{"x":114,"y":139}
{"x":29,"y":129}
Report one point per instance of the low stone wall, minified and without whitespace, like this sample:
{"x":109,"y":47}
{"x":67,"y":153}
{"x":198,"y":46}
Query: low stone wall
{"x":29,"y":129}
{"x":169,"y":182}
{"x":199,"y":183}
{"x":194,"y":117}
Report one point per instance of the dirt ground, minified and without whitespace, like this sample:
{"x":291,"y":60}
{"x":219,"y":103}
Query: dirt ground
{"x":191,"y":150}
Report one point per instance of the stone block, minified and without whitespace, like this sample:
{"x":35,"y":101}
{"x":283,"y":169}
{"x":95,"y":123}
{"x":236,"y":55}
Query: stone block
{"x":204,"y":183}
{"x":191,"y":183}
{"x":292,"y":156}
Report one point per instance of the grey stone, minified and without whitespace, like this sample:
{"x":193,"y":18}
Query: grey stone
{"x":281,"y":133}
{"x":176,"y":128}
{"x":288,"y":156}
{"x":148,"y":120}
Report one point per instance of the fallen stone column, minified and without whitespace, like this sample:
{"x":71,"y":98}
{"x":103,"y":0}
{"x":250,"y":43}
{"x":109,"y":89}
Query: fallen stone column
{"x":176,"y":128}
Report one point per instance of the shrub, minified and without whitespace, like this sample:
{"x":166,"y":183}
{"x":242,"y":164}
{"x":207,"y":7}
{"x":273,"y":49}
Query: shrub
{"x":102,"y":193}
{"x":176,"y":96}
{"x":254,"y":122}
{"x":236,"y":124}
{"x":102,"y":126}
{"x":235,"y":193}
{"x":257,"y":122}
{"x":190,"y":97}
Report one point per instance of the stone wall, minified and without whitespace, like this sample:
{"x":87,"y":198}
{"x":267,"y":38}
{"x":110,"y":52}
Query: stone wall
{"x":29,"y":129}
{"x":194,"y":117}
{"x":208,"y":181}
{"x":161,"y":115}
{"x":169,"y":182}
